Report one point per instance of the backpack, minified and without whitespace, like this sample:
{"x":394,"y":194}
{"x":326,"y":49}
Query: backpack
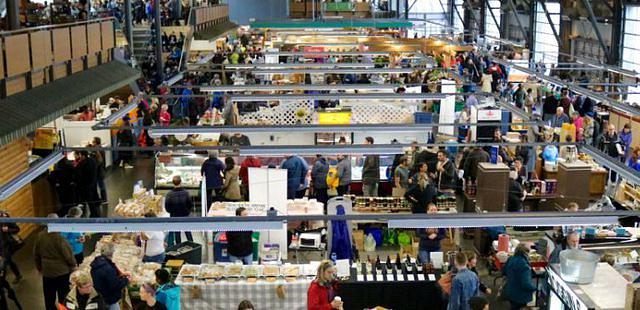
{"x":332,"y":177}
{"x":169,"y":295}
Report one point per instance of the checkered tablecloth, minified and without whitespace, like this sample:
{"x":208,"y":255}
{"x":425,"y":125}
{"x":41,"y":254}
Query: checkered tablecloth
{"x":227,"y":295}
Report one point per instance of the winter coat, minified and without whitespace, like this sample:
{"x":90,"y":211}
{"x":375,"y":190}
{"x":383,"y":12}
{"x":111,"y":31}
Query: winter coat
{"x":249,"y":162}
{"x":239,"y":243}
{"x":53,"y":255}
{"x":371,"y":170}
{"x":318,"y":296}
{"x":231,"y":185}
{"x":94,"y":302}
{"x":519,"y":286}
{"x":169,"y":295}
{"x":107,"y":279}
{"x":212,"y":169}
{"x":319,"y":173}
{"x":178,"y":203}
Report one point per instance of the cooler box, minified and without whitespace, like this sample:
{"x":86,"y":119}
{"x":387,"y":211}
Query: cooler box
{"x":190,"y":256}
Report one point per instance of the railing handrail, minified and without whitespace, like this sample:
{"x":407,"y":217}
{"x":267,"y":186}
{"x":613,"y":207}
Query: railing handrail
{"x":48,"y":27}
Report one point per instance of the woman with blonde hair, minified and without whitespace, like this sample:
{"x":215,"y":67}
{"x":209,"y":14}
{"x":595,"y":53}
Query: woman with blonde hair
{"x":322,"y":291}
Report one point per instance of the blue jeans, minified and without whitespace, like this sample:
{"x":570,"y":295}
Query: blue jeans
{"x":424,"y":256}
{"x":246,"y":260}
{"x":154,"y":259}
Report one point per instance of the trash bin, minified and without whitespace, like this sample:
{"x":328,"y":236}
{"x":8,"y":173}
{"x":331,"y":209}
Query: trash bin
{"x":220,"y":254}
{"x":188,"y":251}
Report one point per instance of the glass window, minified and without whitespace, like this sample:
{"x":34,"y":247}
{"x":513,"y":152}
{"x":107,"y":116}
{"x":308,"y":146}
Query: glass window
{"x":631,"y":46}
{"x":492,"y":26}
{"x":545,"y":43}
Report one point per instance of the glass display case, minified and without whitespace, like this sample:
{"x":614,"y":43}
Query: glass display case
{"x":187,"y":166}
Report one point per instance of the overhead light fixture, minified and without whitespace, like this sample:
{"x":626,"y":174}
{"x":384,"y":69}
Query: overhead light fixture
{"x":320,"y":149}
{"x":512,"y":221}
{"x":292,"y":87}
{"x":327,"y":53}
{"x":29,"y":175}
{"x":163,"y":131}
{"x":336,"y":96}
{"x":299,"y":65}
{"x":159,"y":226}
{"x":338,"y":71}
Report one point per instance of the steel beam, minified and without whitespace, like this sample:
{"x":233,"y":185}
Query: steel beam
{"x":553,"y":27}
{"x":515,"y":13}
{"x":616,"y":33}
{"x":13,"y":14}
{"x":594,"y":24}
{"x":455,"y":8}
{"x":158,"y":39}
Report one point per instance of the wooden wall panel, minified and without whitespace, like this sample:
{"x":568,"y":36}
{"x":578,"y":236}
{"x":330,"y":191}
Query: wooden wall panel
{"x":92,"y":60}
{"x":1,"y":62}
{"x":16,"y":84}
{"x":41,"y":55}
{"x":17,"y":51}
{"x":38,"y":78}
{"x":61,"y":45}
{"x":59,"y":71}
{"x":19,"y":204}
{"x":635,"y":129}
{"x":77,"y":65}
{"x":94,"y":38}
{"x":107,"y":35}
{"x":78,"y":41}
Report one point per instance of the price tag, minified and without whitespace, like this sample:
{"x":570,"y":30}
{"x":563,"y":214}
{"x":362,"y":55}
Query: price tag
{"x":411,"y":277}
{"x":420,"y":277}
{"x":432,"y":277}
{"x":402,"y":277}
{"x":360,"y":278}
{"x":379,"y":277}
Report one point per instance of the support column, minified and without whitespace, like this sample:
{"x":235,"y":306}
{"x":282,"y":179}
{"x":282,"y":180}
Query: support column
{"x":158,"y":39}
{"x":13,"y":14}
{"x":128,"y":25}
{"x":616,"y":33}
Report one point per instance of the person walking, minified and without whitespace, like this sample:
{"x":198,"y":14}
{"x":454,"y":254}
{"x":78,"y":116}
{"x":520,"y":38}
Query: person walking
{"x":370,"y":172}
{"x":10,"y":242}
{"x":125,"y":138}
{"x":99,"y":156}
{"x":178,"y":203}
{"x":322,"y":291}
{"x":212,"y":169}
{"x":108,"y":280}
{"x":54,"y":260}
{"x":231,"y":187}
{"x":464,"y":285}
{"x":239,"y":243}
{"x":86,"y":176}
{"x":519,"y":286}
{"x":319,"y":179}
{"x":401,"y":179}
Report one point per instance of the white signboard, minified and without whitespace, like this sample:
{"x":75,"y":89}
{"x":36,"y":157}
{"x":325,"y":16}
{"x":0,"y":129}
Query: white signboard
{"x":447,"y":107}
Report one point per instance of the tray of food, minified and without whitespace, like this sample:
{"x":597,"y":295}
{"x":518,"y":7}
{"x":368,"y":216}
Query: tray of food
{"x":251,"y":271}
{"x":271,"y":271}
{"x":233,"y":271}
{"x":290,"y":270}
{"x":211,"y":271}
{"x":189,"y":271}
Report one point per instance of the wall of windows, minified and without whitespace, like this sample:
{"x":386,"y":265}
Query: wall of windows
{"x":545,"y":43}
{"x":492,"y":26}
{"x":631,"y":46}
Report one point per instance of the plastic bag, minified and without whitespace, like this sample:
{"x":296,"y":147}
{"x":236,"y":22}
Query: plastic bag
{"x":369,"y":243}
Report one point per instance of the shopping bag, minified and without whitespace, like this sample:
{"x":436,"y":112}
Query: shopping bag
{"x":445,"y":283}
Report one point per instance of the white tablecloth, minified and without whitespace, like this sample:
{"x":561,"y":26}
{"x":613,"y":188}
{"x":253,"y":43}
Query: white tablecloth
{"x":226,"y":295}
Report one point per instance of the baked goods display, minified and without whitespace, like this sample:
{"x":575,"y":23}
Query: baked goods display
{"x":142,"y":202}
{"x":379,"y":204}
{"x":228,"y":208}
{"x":225,"y":272}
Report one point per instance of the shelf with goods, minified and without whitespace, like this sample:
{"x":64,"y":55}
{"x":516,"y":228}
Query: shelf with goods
{"x":628,"y":195}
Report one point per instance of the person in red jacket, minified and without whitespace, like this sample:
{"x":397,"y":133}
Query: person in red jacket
{"x":247,"y":163}
{"x":322,"y":291}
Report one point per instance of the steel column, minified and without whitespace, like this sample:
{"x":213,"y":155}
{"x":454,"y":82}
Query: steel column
{"x":515,"y":13}
{"x":594,"y":24}
{"x":128,"y":25}
{"x":553,"y":27}
{"x":13,"y":14}
{"x":616,"y":33}
{"x":158,"y":39}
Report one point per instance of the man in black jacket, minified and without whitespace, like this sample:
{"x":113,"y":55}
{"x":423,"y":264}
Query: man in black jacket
{"x":108,"y":280}
{"x":179,"y":204}
{"x":239,"y":243}
{"x":445,"y":172}
{"x":549,"y":106}
{"x":370,"y":173}
{"x":87,"y":180}
{"x":476,"y":156}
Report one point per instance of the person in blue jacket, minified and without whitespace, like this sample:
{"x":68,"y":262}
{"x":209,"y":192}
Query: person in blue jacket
{"x":212,"y":169}
{"x":519,"y":287}
{"x":296,"y":174}
{"x":108,"y":280}
{"x":167,"y":293}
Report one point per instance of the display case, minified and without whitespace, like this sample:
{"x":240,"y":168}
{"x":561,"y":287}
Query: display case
{"x":187,"y":166}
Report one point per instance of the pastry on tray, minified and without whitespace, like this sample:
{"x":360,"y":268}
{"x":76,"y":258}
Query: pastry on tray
{"x":271,"y":271}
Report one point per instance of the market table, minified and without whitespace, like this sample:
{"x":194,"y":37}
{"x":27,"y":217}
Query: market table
{"x":398,"y":295}
{"x":224,"y":295}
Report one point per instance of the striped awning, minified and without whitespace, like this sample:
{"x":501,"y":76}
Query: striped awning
{"x":24,"y":112}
